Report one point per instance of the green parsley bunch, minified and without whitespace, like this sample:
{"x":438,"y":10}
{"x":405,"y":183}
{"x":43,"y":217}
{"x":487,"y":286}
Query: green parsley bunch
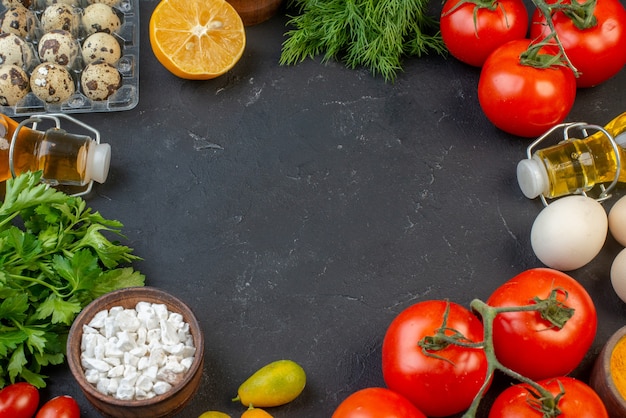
{"x":54,"y":260}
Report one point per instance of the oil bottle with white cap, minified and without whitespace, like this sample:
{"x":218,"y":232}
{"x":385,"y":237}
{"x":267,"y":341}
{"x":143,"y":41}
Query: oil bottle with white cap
{"x":575,"y":166}
{"x":64,"y":158}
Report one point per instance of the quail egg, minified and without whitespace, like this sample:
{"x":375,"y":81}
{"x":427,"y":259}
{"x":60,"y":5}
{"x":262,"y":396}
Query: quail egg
{"x":99,"y":17}
{"x":14,"y":50}
{"x":60,"y":16}
{"x":52,"y":82}
{"x":19,"y":20}
{"x":58,"y":46}
{"x":68,"y":2}
{"x":13,"y":84}
{"x":9,"y":3}
{"x":107,"y":2}
{"x":101,"y":46}
{"x":100,"y":80}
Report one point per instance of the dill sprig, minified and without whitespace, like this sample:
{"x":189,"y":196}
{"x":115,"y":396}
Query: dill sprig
{"x":375,"y":34}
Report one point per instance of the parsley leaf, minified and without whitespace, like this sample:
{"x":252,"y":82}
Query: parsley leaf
{"x":54,"y":260}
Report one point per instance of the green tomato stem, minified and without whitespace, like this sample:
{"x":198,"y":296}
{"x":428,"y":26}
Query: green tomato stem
{"x":550,"y":309}
{"x":546,"y":10}
{"x":488,"y":315}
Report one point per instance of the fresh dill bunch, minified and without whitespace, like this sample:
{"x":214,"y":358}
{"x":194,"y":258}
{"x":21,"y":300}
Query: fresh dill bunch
{"x":375,"y":34}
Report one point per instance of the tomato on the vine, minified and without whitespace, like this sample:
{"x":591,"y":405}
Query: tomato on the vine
{"x":438,"y":382}
{"x":597,"y":52}
{"x":522,"y":99}
{"x":59,"y":407}
{"x":578,"y":400}
{"x":19,"y":400}
{"x":470,"y":39}
{"x":529,"y":344}
{"x":376,"y":403}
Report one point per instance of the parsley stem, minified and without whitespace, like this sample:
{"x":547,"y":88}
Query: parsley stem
{"x":52,"y":288}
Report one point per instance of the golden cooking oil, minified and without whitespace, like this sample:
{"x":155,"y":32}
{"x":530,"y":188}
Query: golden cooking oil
{"x":575,"y":165}
{"x":64,"y":158}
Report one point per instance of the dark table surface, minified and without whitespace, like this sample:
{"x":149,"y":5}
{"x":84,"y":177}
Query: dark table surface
{"x":299,"y":209}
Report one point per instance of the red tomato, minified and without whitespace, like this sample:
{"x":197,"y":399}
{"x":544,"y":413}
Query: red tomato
{"x":438,"y":387}
{"x":598,"y":52}
{"x":529,"y":344}
{"x":19,"y":400}
{"x":472,"y":40}
{"x":579,"y":401}
{"x":376,"y":403}
{"x":59,"y":407}
{"x":521,"y":99}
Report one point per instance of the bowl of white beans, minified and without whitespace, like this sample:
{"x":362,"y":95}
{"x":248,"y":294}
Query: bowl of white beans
{"x":136,"y":353}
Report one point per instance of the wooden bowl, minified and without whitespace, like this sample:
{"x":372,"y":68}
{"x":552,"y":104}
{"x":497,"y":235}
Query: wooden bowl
{"x":160,"y":406}
{"x":602,"y":379}
{"x":253,"y":12}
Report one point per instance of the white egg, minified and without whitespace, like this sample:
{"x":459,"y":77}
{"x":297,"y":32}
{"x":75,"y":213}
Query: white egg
{"x":617,"y":221}
{"x":569,"y":232}
{"x":618,"y":275}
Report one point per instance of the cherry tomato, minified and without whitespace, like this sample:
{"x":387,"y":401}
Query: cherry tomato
{"x":445,"y":382}
{"x":521,"y":99}
{"x":579,"y":400}
{"x":59,"y":407}
{"x":19,"y":400}
{"x":531,"y":345}
{"x":472,"y":40}
{"x":377,"y":403}
{"x":598,"y":52}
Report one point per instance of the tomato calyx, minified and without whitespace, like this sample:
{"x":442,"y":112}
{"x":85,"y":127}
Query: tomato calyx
{"x":547,"y":406}
{"x":534,"y":57}
{"x":491,"y":5}
{"x":581,"y":14}
{"x":443,"y":338}
{"x":478,"y":4}
{"x":553,"y":310}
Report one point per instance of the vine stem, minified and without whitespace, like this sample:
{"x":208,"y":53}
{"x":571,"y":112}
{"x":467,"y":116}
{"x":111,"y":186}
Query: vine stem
{"x":546,"y":10}
{"x":488,"y":315}
{"x":551,"y":309}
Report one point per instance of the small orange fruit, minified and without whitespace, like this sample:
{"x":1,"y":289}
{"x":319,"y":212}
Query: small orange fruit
{"x":256,"y":413}
{"x":197,"y":39}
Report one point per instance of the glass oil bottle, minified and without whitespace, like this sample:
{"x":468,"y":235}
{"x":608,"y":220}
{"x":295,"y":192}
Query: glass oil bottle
{"x":64,"y":158}
{"x":575,"y":166}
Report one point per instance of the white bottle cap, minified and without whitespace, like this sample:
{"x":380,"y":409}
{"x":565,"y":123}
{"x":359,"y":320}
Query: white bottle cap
{"x":98,"y":162}
{"x":532,"y":178}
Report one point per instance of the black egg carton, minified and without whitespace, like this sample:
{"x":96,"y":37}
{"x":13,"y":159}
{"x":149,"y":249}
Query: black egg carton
{"x":125,"y":98}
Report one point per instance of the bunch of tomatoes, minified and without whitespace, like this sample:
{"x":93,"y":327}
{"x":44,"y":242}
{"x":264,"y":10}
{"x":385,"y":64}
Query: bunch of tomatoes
{"x":21,"y":400}
{"x":427,"y":375}
{"x":532,"y":66}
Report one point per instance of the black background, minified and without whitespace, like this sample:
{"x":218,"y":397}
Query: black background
{"x":299,"y":209}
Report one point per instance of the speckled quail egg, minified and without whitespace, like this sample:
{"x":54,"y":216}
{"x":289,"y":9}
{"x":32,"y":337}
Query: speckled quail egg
{"x":99,"y":17}
{"x":101,"y":46}
{"x":58,"y":46}
{"x":107,"y":2}
{"x":19,"y":20}
{"x":14,"y":50}
{"x":52,"y":82}
{"x":100,"y":80}
{"x":14,"y":84}
{"x":9,"y":3}
{"x":60,"y":16}
{"x":74,"y":3}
